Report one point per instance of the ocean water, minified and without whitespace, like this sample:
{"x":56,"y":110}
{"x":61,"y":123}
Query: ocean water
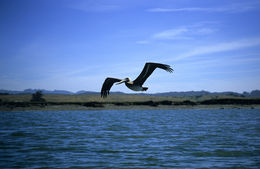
{"x":224,"y":138}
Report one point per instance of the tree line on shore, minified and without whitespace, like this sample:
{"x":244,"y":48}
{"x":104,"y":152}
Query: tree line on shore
{"x":38,"y":100}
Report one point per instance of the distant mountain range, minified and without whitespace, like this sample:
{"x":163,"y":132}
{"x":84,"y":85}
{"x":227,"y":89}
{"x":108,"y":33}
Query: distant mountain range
{"x":254,"y":93}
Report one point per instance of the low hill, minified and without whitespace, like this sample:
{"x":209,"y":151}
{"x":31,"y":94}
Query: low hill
{"x":254,"y":93}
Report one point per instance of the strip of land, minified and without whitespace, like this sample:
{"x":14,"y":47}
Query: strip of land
{"x":114,"y":102}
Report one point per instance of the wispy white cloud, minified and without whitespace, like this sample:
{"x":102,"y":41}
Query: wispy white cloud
{"x":233,"y":8}
{"x":181,"y":33}
{"x":213,"y":64}
{"x":193,"y":9}
{"x":220,"y":47}
{"x":171,"y":33}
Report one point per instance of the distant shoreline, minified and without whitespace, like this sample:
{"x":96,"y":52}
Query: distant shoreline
{"x":121,"y":102}
{"x":109,"y":107}
{"x":64,"y":107}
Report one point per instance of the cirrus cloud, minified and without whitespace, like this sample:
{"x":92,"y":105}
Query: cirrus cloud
{"x":233,"y":8}
{"x":181,"y":33}
{"x":220,"y":47}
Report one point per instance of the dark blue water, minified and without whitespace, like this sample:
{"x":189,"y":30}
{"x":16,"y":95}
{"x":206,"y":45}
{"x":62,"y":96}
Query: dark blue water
{"x":130,"y":139}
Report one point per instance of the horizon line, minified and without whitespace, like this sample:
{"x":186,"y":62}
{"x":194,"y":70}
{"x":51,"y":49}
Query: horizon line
{"x":85,"y":91}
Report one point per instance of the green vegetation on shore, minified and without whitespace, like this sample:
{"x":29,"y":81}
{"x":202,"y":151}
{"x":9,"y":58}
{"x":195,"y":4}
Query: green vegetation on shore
{"x":10,"y":102}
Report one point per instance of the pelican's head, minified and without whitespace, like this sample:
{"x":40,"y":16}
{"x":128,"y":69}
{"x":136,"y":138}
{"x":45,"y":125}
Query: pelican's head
{"x":124,"y":80}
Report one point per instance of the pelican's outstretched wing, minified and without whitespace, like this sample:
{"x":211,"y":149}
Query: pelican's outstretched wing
{"x":108,"y":83}
{"x":148,"y":70}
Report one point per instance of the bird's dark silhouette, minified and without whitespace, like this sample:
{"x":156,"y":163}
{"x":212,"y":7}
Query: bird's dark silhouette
{"x":137,"y":84}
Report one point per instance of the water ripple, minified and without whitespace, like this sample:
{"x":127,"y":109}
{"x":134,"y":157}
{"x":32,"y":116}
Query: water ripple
{"x":130,"y":139}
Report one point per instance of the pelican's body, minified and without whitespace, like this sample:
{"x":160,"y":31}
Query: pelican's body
{"x":134,"y":86}
{"x":137,"y":84}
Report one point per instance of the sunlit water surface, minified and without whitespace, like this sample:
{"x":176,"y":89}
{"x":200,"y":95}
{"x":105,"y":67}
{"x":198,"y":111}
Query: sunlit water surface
{"x":131,"y":139}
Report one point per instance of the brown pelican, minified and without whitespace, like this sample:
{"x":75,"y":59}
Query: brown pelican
{"x":135,"y":85}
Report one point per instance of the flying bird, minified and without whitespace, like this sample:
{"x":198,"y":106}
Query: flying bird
{"x":137,"y":84}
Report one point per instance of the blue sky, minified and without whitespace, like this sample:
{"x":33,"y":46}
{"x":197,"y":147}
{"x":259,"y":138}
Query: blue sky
{"x":75,"y":44}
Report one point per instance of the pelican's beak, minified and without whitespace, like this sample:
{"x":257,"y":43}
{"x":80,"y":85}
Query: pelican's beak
{"x":122,"y":81}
